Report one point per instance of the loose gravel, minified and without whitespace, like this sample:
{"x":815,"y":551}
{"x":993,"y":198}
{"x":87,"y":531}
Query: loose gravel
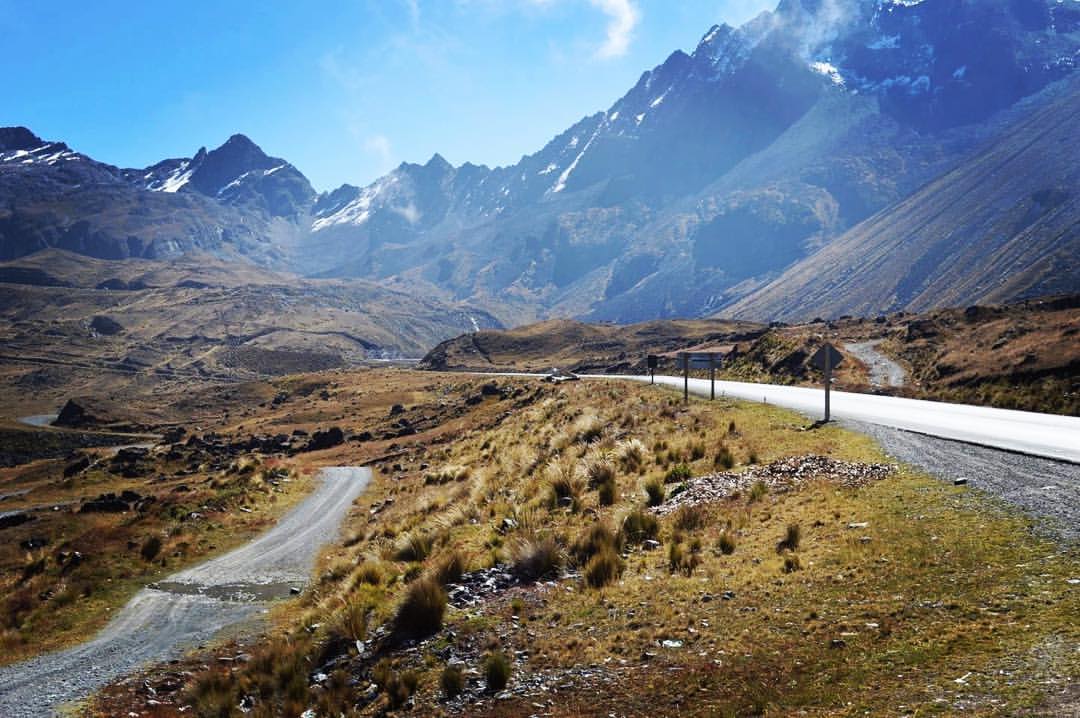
{"x":779,"y":476}
{"x":883,"y":370}
{"x":1045,"y":488}
{"x":157,"y":625}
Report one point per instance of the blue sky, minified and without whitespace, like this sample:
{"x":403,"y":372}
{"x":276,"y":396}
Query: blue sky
{"x":344,"y":90}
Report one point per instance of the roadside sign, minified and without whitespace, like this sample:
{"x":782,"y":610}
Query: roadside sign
{"x":699,"y":360}
{"x":826,"y":356}
{"x":825,"y":359}
{"x":652,"y":361}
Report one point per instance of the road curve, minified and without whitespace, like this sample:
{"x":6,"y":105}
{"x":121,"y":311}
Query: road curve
{"x":1046,"y":435}
{"x":189,"y":607}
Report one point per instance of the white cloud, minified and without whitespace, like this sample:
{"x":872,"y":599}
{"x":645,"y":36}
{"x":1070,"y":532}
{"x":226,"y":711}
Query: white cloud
{"x":379,"y":146}
{"x":623,"y":17}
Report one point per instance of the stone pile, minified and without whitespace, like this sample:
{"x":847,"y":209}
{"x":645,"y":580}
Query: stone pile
{"x":779,"y":476}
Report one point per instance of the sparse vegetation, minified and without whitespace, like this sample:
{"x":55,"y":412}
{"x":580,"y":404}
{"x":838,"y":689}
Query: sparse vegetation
{"x":538,"y":558}
{"x":452,"y":681}
{"x":421,"y":611}
{"x":677,"y":473}
{"x":497,"y":670}
{"x":790,"y":542}
{"x":716,"y":572}
{"x":654,"y":492}
{"x":724,"y":459}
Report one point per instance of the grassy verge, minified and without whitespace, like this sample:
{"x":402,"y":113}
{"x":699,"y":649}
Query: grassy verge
{"x":895,"y":597}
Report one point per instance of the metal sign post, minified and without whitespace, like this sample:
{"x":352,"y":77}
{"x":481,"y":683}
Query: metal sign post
{"x":712,"y":377}
{"x":684,"y":359}
{"x":699,"y":360}
{"x":652,"y":361}
{"x":825,"y":359}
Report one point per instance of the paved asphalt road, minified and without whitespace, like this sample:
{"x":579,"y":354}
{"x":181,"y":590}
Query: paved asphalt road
{"x":189,"y":607}
{"x":1046,"y":435}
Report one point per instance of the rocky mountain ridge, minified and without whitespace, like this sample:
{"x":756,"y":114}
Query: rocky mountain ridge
{"x":719,"y":170}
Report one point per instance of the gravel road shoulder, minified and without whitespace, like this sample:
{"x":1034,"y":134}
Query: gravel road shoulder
{"x":1044,"y":488}
{"x":159,"y":624}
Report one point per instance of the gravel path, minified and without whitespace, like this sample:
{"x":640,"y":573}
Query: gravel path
{"x":883,"y":370}
{"x":1042,"y":487}
{"x":189,"y":607}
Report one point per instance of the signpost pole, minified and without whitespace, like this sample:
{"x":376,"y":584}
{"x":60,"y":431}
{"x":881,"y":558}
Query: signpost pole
{"x":652,"y":376}
{"x":828,"y":382}
{"x":825,"y":359}
{"x":685,"y":378}
{"x":712,"y":377}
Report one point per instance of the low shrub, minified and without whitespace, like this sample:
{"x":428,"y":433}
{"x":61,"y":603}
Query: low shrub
{"x":593,"y":540}
{"x":413,"y":547}
{"x":607,"y":492}
{"x":790,"y":542}
{"x":150,"y":548}
{"x":791,"y":564}
{"x":638,"y":526}
{"x":450,"y":569}
{"x":421,"y":611}
{"x":726,"y":543}
{"x":654,"y":492}
{"x":603,"y":568}
{"x":677,"y":473}
{"x":724,"y":459}
{"x":537,"y":558}
{"x":397,"y":685}
{"x":452,"y":681}
{"x":630,"y":454}
{"x":758,"y":491}
{"x":691,"y":517}
{"x":496,"y":670}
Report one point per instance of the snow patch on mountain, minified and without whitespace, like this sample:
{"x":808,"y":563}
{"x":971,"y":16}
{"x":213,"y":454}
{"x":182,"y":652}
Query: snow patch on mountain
{"x":359,"y":210}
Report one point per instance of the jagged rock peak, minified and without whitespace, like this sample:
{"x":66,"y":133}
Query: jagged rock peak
{"x":18,"y":138}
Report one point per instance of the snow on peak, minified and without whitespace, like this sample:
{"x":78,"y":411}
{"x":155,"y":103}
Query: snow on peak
{"x":174,"y":180}
{"x":358,"y":211}
{"x":829,"y":70}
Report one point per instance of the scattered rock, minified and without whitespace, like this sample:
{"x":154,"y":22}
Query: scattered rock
{"x":79,"y":465}
{"x":325,"y":439}
{"x":106,"y":326}
{"x":9,"y":519}
{"x":105,"y":503}
{"x":34,"y":542}
{"x":960,"y":482}
{"x":782,"y":475}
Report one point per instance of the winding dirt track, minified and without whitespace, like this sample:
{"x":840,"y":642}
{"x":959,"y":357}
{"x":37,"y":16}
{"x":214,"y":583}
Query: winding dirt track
{"x":883,"y":370}
{"x":189,"y":607}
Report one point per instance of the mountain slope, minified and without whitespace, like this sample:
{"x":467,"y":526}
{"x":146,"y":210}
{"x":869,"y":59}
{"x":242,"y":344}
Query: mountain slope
{"x":233,"y":201}
{"x":719,"y":168}
{"x":1003,"y":224}
{"x":716,"y":172}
